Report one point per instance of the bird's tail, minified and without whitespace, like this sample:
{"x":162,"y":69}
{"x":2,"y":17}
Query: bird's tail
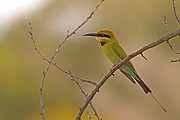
{"x":132,"y":75}
{"x":144,"y":86}
{"x":147,"y":90}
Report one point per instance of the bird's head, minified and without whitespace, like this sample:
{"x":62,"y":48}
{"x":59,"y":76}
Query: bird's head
{"x":102,"y":36}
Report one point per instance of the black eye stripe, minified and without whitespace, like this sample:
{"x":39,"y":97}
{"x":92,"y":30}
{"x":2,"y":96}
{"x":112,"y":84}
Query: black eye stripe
{"x":104,"y":35}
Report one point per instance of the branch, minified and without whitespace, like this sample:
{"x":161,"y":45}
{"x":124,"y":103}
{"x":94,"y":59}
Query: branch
{"x":138,"y":52}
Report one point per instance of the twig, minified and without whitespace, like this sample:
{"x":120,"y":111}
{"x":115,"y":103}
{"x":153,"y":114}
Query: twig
{"x":175,"y":13}
{"x":70,"y":74}
{"x":34,"y":42}
{"x":62,"y":70}
{"x":171,"y":47}
{"x":151,"y":45}
{"x":54,"y":64}
{"x":44,"y":73}
{"x":169,"y":44}
{"x":143,"y":56}
{"x":85,"y":95}
{"x":74,"y":32}
{"x":165,"y":24}
{"x":50,"y":62}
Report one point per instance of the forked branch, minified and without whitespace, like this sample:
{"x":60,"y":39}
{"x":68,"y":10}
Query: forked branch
{"x":50,"y":61}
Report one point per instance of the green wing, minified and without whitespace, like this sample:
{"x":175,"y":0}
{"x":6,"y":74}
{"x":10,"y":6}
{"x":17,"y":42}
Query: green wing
{"x":122,"y":54}
{"x":119,"y":50}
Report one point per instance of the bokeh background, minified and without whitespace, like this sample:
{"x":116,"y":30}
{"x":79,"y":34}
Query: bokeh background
{"x":135,"y":23}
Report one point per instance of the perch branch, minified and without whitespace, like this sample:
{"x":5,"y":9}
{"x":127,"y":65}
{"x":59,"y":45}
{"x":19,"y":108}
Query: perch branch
{"x":138,"y":52}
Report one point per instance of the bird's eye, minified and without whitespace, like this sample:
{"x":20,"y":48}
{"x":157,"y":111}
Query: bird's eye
{"x":104,"y":35}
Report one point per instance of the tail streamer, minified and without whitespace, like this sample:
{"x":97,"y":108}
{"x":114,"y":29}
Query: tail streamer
{"x":158,"y":102}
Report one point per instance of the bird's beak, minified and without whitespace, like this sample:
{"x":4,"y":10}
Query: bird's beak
{"x":91,"y":34}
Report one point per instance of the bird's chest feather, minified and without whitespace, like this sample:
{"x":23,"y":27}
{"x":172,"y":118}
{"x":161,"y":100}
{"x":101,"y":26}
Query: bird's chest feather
{"x":110,"y":53}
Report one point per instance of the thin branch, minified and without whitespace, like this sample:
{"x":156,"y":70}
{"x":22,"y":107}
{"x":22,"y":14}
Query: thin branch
{"x":44,"y":73}
{"x":143,"y":56}
{"x":62,"y":70}
{"x":54,"y":64}
{"x":54,"y":56}
{"x":34,"y":42}
{"x":74,"y":32}
{"x":70,"y":74}
{"x":138,"y":52}
{"x":165,"y":24}
{"x":175,"y":13}
{"x":171,"y":47}
{"x":50,"y":62}
{"x":85,"y":95}
{"x":168,"y":42}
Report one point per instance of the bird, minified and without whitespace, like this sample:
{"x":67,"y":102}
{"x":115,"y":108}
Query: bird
{"x":115,"y":53}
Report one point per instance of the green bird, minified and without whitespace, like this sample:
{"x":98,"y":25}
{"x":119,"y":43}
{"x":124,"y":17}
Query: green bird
{"x":116,"y":54}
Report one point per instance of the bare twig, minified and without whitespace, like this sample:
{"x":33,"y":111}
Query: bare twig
{"x":165,"y":24}
{"x":85,"y":95}
{"x":50,"y":62}
{"x":54,"y":64}
{"x":143,"y":56}
{"x":171,"y":47}
{"x":175,"y":13}
{"x":62,"y":70}
{"x":74,"y":32}
{"x":168,"y":42}
{"x":70,"y":74}
{"x":34,"y":42}
{"x":44,"y":73}
{"x":140,"y":51}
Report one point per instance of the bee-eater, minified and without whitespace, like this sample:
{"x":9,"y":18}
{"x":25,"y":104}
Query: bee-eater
{"x":116,"y":54}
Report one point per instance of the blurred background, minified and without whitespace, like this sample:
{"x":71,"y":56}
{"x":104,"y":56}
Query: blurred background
{"x":135,"y":23}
